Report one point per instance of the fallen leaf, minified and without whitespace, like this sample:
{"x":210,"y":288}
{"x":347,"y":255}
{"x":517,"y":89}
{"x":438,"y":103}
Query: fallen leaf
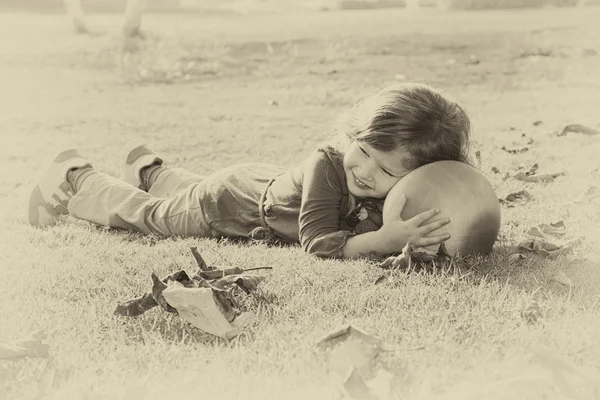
{"x":247,"y":283}
{"x":135,"y":307}
{"x":385,"y":278}
{"x":548,"y":249}
{"x":411,"y":255}
{"x":203,"y":308}
{"x":561,"y":277}
{"x":158,"y":287}
{"x":522,"y":176}
{"x":542,"y":230}
{"x":473,"y":60}
{"x":520,"y":197}
{"x":513,"y":258}
{"x":536,"y":123}
{"x":347,"y":332}
{"x":590,"y":193}
{"x":199,"y":260}
{"x":354,"y":367}
{"x":536,"y":53}
{"x":352,"y":385}
{"x":31,"y":346}
{"x":577,"y":128}
{"x":532,"y":313}
{"x":353,"y":356}
{"x":516,"y":150}
{"x":192,"y":295}
{"x":495,"y":170}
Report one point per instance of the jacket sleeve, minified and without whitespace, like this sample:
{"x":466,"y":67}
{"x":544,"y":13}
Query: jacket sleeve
{"x":319,"y":220}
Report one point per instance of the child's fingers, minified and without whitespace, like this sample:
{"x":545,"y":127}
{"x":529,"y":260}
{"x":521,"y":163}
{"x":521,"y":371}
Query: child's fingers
{"x":419,"y":219}
{"x":433,"y":226}
{"x":431,"y":240}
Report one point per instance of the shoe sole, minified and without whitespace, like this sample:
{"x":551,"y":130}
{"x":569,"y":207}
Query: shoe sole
{"x":40,"y":211}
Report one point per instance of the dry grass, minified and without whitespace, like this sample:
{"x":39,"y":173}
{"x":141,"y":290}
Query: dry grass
{"x":450,"y":335}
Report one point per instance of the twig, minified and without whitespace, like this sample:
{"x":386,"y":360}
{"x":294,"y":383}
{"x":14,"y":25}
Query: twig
{"x":257,"y":268}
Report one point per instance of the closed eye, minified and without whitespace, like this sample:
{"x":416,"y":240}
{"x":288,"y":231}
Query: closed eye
{"x":388,"y":173}
{"x":363,"y":151}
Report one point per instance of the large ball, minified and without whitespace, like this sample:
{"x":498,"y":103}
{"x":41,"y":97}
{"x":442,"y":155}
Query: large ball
{"x":461,"y":193}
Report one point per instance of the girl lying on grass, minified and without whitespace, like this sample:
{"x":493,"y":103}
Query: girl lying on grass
{"x":315,"y":203}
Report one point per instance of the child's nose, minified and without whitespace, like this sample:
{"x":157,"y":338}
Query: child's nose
{"x":366,"y":173}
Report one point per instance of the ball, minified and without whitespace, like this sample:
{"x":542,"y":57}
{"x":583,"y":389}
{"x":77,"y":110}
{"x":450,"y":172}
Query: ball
{"x":461,"y":193}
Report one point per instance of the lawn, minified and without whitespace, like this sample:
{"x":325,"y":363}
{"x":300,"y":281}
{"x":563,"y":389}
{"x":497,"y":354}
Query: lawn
{"x":210,"y":90}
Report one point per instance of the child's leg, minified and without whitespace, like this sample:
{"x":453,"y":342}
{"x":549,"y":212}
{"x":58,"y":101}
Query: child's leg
{"x":143,"y":168}
{"x":163,"y":181}
{"x":105,"y":200}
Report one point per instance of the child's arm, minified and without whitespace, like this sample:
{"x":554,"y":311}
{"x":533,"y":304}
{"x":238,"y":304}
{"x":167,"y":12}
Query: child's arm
{"x":319,"y":220}
{"x":393,"y":236}
{"x":320,"y":232}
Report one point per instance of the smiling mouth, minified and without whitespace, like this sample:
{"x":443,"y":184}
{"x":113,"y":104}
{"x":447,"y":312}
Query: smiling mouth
{"x":359,"y":183}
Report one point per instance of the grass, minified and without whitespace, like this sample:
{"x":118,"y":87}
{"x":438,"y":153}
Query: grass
{"x":449,"y":334}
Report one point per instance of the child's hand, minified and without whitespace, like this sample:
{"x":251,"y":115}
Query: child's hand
{"x":396,"y":233}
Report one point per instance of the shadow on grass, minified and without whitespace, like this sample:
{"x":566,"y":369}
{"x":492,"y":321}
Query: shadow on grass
{"x":577,"y":279}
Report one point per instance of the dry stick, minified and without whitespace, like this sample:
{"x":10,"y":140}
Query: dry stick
{"x":254,"y":269}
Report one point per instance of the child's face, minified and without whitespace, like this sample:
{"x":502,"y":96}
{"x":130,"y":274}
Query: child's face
{"x":372,"y":173}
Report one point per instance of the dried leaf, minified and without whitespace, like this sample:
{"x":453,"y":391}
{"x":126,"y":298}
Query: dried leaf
{"x":562,"y":278}
{"x":347,"y":332}
{"x":577,"y":128}
{"x":382,"y":385}
{"x":157,"y":293}
{"x":138,"y":306}
{"x":512,"y":199}
{"x":516,"y":150}
{"x":495,"y":170}
{"x":226,"y":304}
{"x":354,"y":355}
{"x":385,"y":278}
{"x":547,"y":249}
{"x":200,"y":307}
{"x":135,"y":307}
{"x":532,"y":313}
{"x":31,"y":346}
{"x":536,"y":123}
{"x":158,"y":286}
{"x":513,"y":258}
{"x":402,"y":261}
{"x":590,"y":193}
{"x":199,"y":260}
{"x":412,"y":255}
{"x":522,"y":176}
{"x":246,"y":282}
{"x":354,"y":366}
{"x":542,"y":230}
{"x":353,"y":385}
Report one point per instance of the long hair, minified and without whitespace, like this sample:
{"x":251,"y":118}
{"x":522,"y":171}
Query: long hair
{"x":415,"y":117}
